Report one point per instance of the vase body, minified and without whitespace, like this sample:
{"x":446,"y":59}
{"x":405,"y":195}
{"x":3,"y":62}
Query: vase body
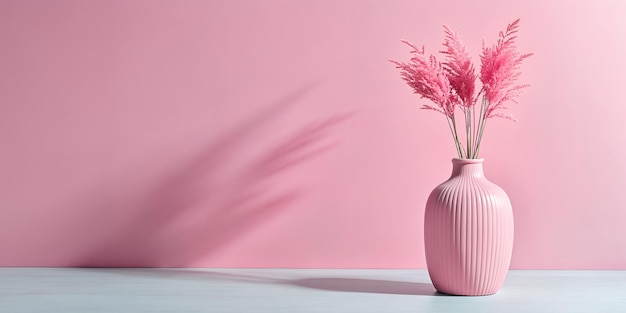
{"x":468,"y":232}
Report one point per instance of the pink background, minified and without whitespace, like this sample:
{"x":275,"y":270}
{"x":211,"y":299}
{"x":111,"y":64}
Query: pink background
{"x":276,"y":133}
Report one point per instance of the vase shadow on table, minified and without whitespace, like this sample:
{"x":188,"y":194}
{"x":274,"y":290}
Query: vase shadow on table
{"x":341,"y":284}
{"x":368,"y":286}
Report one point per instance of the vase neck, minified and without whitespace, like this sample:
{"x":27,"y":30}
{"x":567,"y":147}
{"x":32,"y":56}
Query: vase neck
{"x":467,"y":167}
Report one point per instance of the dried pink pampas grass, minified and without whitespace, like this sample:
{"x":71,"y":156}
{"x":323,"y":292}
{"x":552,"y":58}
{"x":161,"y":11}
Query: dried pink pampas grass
{"x":452,"y":84}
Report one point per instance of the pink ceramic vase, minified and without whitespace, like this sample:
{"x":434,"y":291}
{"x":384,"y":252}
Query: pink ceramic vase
{"x":468,"y":232}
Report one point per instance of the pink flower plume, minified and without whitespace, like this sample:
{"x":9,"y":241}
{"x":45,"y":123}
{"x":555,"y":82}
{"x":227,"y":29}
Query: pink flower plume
{"x":452,"y":83}
{"x":459,"y":67}
{"x":500,"y":70}
{"x":429,"y":79}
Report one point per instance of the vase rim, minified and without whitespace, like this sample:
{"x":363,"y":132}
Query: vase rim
{"x":467,"y":161}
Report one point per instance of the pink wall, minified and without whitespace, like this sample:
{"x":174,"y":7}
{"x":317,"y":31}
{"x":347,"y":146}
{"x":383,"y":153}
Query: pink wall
{"x":276,"y":134}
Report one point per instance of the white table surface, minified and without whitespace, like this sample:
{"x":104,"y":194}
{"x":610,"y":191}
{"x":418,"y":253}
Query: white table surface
{"x":297,"y":290}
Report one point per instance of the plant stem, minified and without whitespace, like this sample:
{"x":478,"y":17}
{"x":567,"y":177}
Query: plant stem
{"x":481,"y":127}
{"x":468,"y":137}
{"x":481,"y":124}
{"x":459,"y":148}
{"x":480,"y":137}
{"x":452,"y":130}
{"x":474,"y":129}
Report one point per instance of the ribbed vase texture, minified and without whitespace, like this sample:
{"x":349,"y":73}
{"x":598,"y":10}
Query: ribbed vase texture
{"x":468,"y":232}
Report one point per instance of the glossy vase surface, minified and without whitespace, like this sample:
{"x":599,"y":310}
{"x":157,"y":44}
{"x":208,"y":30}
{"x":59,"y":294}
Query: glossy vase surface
{"x":468,"y":232}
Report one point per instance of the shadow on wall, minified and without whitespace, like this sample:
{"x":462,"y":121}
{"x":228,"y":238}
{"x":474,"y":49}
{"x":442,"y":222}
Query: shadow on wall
{"x":192,"y":214}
